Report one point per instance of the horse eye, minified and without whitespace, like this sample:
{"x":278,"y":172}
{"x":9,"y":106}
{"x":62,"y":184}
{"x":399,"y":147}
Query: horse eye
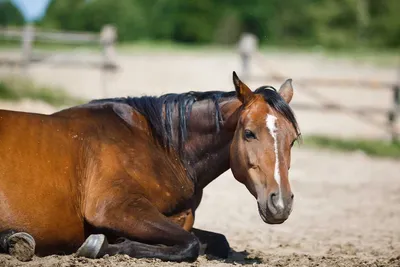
{"x":249,"y":134}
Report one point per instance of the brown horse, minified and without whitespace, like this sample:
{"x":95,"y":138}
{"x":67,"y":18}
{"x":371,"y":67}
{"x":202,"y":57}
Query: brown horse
{"x":125,"y":175}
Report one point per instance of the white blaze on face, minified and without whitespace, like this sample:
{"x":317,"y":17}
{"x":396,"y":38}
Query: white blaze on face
{"x":273,"y":130}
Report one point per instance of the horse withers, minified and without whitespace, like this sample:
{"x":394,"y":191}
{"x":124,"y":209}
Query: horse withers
{"x":126,"y":175}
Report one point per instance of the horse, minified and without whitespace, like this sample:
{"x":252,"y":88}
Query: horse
{"x":126,"y":175}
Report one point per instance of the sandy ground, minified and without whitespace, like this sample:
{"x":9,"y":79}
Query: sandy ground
{"x":347,"y":206}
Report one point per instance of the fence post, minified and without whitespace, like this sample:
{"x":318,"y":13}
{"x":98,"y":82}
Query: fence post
{"x":394,"y":113}
{"x":28,"y":37}
{"x":108,"y":38}
{"x":247,"y":46}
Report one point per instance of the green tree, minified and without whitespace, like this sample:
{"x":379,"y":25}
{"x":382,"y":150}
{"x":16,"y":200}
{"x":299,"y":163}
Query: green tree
{"x":64,"y":14}
{"x":127,"y":16}
{"x":330,"y":23}
{"x":334,"y":23}
{"x":385,"y":23}
{"x":9,"y":14}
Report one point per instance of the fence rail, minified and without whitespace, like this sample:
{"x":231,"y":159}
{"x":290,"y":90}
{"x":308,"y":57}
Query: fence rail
{"x":28,"y":36}
{"x":16,"y":34}
{"x":392,"y":113}
{"x":248,"y":50}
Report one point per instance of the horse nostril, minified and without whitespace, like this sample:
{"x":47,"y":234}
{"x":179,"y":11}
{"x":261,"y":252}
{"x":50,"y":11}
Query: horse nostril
{"x":292,"y":196}
{"x":272,"y":197}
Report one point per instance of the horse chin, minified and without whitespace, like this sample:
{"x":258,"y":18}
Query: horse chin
{"x":268,"y":218}
{"x":272,"y":220}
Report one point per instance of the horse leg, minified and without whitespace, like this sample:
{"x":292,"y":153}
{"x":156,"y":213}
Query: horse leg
{"x":137,"y":219}
{"x":217,"y":244}
{"x":18,"y":244}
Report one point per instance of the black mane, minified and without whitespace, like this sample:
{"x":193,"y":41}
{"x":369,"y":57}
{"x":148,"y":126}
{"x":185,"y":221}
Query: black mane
{"x":159,"y":110}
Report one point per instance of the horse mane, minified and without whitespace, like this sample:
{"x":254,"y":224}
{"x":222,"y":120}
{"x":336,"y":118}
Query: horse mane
{"x":159,"y":110}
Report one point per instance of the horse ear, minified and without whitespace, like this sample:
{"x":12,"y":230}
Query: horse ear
{"x":286,"y":91}
{"x":242,"y":91}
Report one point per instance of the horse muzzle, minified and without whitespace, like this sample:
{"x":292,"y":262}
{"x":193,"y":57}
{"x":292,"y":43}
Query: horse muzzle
{"x":275,"y":210}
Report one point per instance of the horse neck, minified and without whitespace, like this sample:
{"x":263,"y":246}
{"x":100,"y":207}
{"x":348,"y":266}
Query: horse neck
{"x":206,"y":150}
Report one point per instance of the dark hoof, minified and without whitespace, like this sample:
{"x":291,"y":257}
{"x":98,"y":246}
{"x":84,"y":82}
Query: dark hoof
{"x":93,"y":247}
{"x":21,"y":245}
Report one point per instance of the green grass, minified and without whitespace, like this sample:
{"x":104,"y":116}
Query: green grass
{"x":362,"y":55}
{"x":136,"y":46}
{"x":17,"y":88}
{"x":173,"y":47}
{"x":375,"y":148}
{"x":52,"y":47}
{"x":382,"y":57}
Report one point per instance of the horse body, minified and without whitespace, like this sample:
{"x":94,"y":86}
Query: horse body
{"x":57,"y":184}
{"x":132,"y":168}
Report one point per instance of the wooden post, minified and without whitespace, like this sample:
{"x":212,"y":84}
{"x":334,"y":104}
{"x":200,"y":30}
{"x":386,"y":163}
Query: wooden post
{"x":248,"y":46}
{"x":108,"y":38}
{"x":28,"y":37}
{"x":394,"y":113}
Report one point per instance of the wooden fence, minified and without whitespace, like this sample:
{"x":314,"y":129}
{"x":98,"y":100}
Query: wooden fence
{"x":29,"y":37}
{"x":392,"y":113}
{"x":248,"y":50}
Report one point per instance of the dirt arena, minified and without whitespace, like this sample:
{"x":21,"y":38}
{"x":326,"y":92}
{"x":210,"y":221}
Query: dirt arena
{"x":347,"y":206}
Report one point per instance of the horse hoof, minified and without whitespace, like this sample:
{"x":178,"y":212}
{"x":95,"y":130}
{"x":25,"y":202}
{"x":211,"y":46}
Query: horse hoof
{"x":94,"y":246}
{"x":22,"y":246}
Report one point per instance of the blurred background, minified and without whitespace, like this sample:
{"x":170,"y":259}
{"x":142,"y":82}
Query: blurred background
{"x":343,"y":57}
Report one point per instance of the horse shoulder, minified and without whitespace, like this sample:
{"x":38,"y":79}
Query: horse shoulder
{"x":139,"y":166}
{"x":128,"y":159}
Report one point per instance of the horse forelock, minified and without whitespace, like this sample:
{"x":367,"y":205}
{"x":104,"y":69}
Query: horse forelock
{"x":276,"y":102}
